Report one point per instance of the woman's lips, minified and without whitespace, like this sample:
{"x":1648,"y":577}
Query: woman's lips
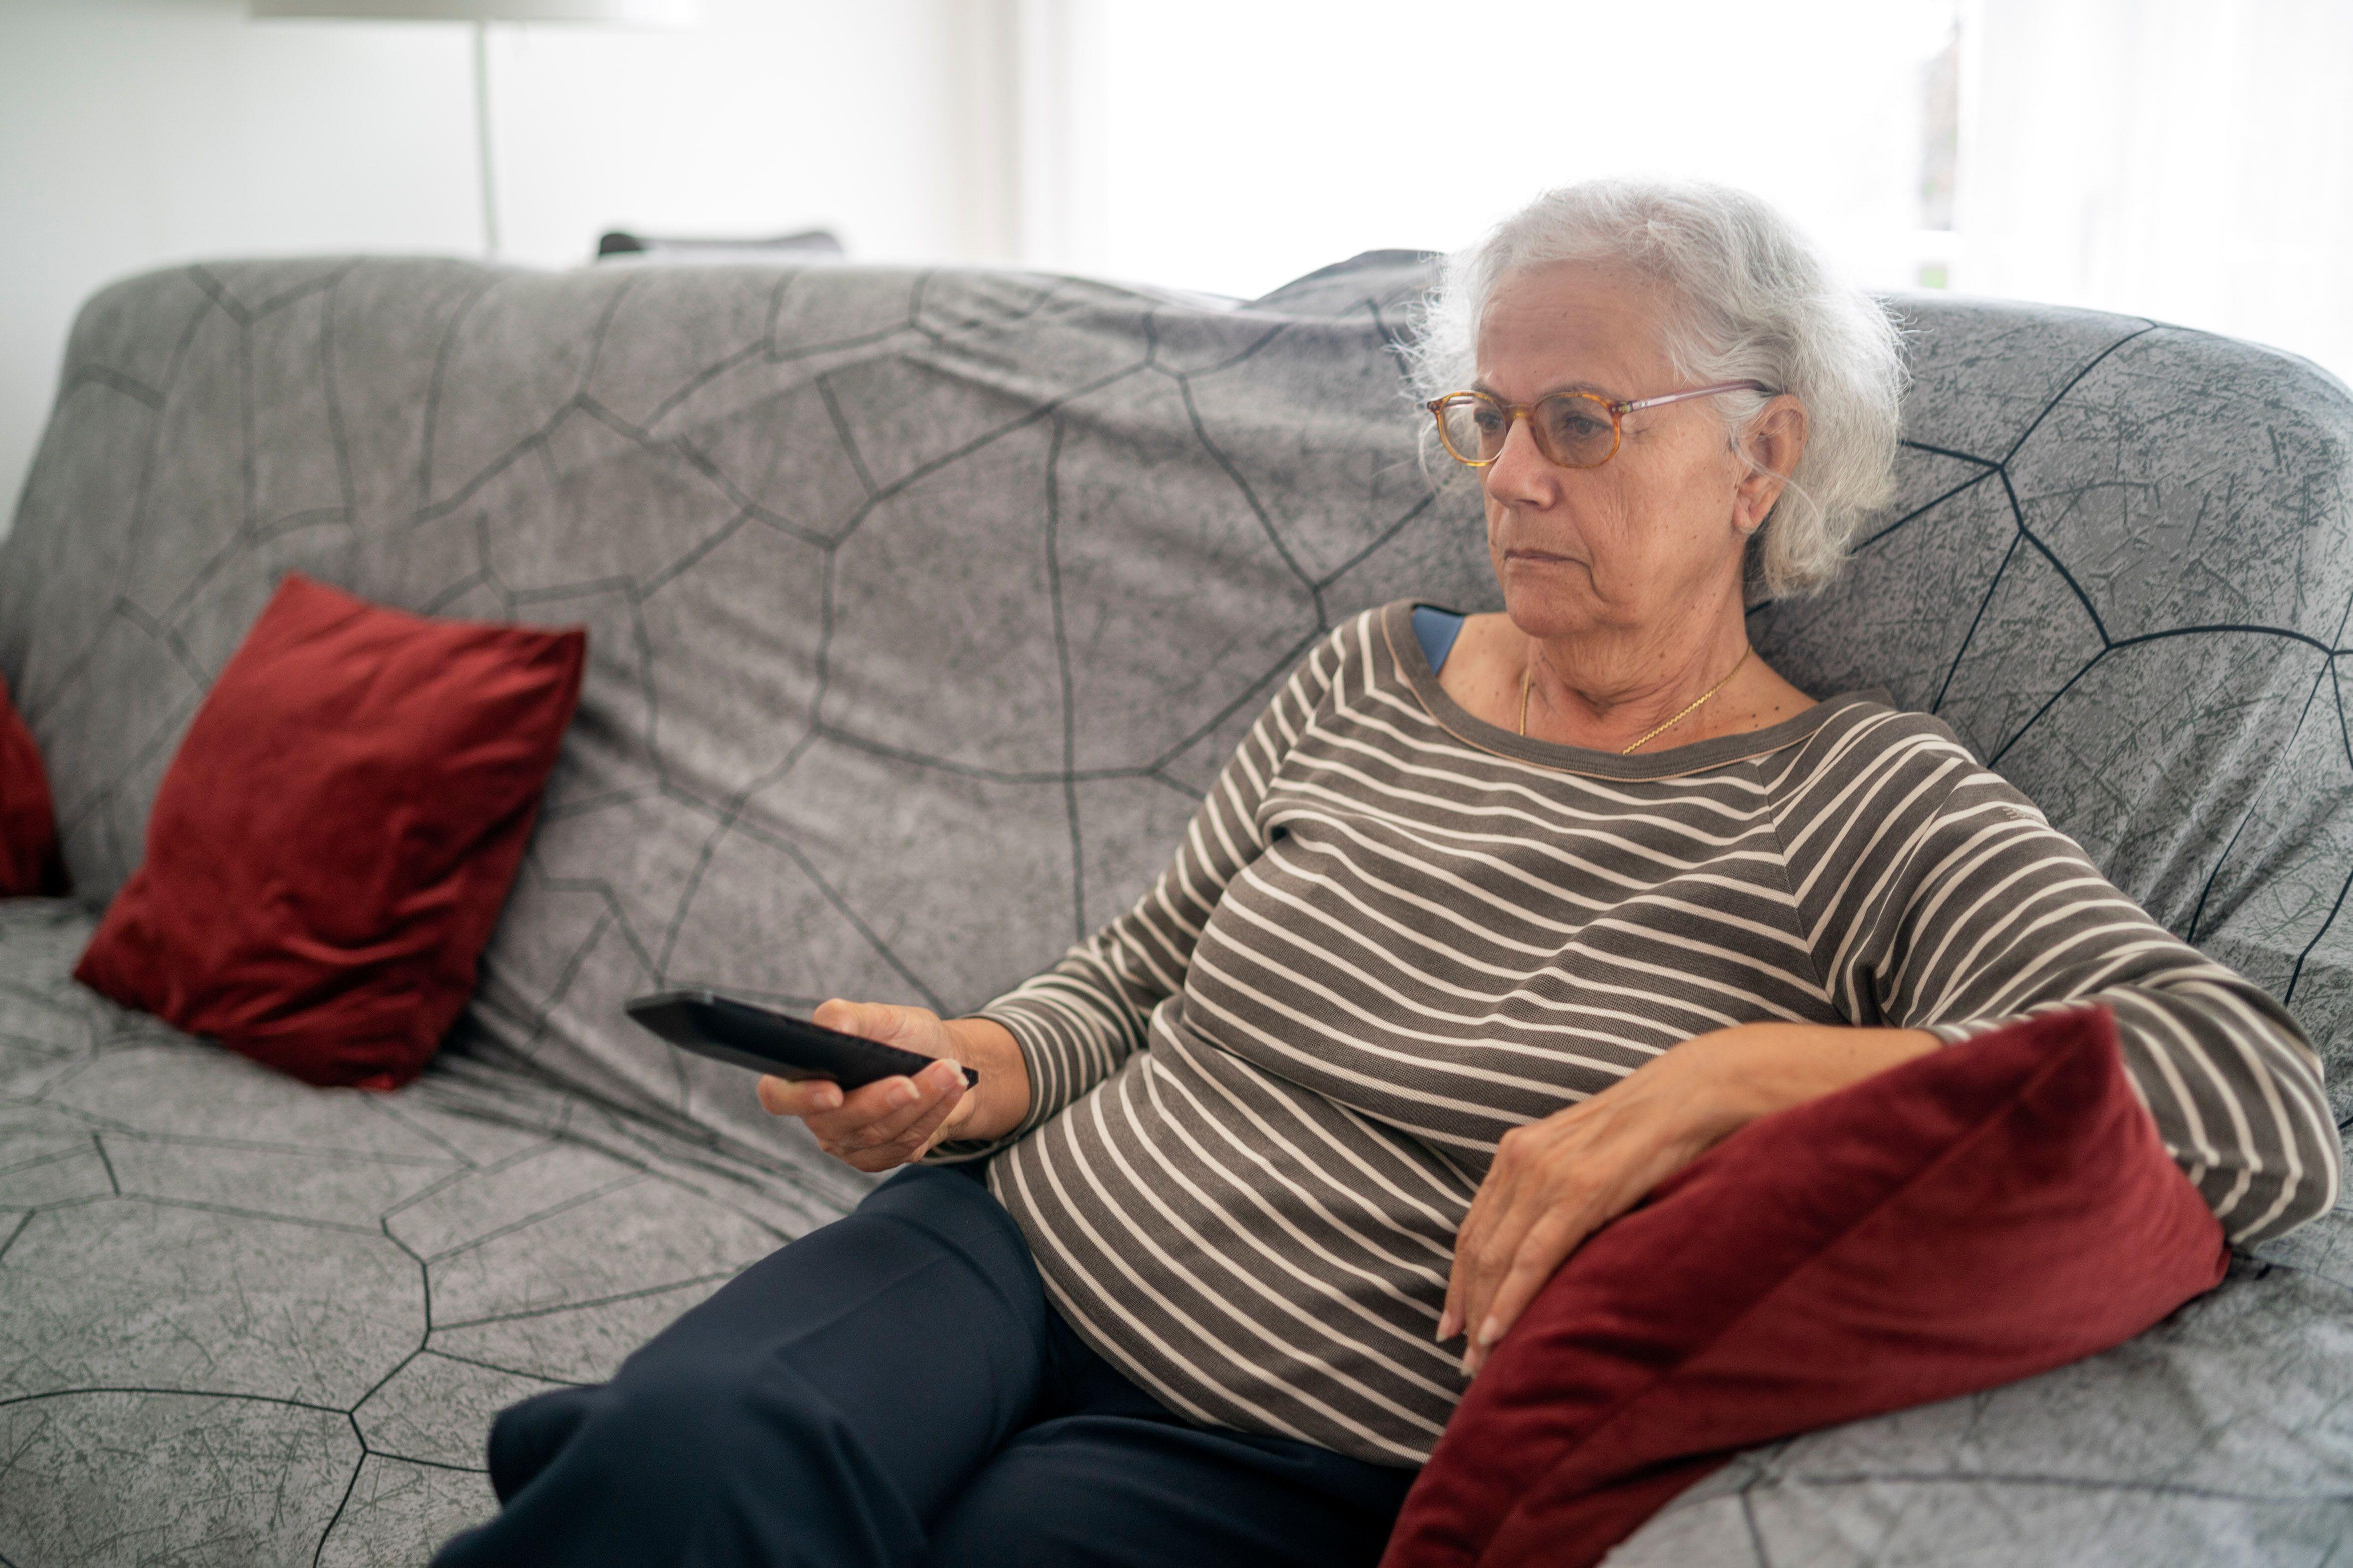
{"x":1540,"y":556}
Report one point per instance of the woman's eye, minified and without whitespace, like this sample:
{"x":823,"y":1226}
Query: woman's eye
{"x":1489,"y":421}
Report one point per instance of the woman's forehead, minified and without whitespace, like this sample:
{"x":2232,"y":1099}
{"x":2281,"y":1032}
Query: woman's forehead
{"x":1571,"y":324}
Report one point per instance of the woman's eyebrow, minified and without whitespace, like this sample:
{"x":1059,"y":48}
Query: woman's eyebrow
{"x":1600,"y":392}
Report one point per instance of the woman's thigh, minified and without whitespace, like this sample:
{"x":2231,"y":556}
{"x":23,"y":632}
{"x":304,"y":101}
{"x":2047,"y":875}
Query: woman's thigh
{"x":823,"y":1407}
{"x":1128,"y":1492}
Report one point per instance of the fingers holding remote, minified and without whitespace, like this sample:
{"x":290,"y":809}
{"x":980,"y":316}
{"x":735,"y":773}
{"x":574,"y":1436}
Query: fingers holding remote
{"x":876,"y":1126}
{"x":886,"y":1122}
{"x":801,"y":1097}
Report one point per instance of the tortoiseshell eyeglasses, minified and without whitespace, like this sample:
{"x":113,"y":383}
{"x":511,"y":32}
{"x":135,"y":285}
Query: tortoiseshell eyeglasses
{"x":1574,"y":429}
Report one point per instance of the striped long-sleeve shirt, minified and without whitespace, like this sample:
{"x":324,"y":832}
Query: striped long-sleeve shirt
{"x":1265,"y":1096}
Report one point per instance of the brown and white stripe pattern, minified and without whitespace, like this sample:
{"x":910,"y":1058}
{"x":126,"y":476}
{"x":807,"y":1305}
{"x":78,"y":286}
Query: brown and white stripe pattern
{"x":1392,"y":932}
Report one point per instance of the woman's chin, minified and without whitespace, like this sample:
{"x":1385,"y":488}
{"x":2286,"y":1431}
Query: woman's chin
{"x":1557,"y":596}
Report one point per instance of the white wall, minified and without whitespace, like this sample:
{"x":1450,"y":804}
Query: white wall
{"x":135,"y":133}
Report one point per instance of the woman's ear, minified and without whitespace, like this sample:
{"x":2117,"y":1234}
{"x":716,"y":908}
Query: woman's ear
{"x":1775,"y":441}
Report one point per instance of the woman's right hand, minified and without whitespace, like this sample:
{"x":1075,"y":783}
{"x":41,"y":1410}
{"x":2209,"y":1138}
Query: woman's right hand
{"x":894,"y":1120}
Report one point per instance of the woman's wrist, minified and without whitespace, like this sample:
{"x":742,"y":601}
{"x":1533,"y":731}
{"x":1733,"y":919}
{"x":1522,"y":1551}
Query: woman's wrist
{"x":1002,"y":1095}
{"x":1757,"y":1069}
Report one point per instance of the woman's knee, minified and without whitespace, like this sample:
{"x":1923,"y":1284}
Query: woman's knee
{"x":689,"y":1403}
{"x":701,"y":1464}
{"x":680,"y":1425}
{"x":526,"y":1437}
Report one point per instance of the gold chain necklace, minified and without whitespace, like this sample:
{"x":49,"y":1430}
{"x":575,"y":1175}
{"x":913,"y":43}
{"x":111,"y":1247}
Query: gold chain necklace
{"x":1528,"y":674}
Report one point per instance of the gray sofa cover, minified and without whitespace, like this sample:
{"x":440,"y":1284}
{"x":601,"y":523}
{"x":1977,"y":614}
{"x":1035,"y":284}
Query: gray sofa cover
{"x":922,"y":607}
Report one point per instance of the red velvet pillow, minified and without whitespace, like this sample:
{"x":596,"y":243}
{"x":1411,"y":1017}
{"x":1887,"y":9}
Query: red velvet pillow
{"x":1989,"y":1211}
{"x":332,"y":843}
{"x":30,"y":866}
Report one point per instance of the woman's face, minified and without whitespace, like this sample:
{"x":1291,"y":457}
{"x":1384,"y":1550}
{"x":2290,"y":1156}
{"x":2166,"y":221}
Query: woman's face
{"x":1653,"y":531}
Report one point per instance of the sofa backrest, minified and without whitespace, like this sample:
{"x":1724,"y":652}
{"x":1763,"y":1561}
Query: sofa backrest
{"x":923,"y":606}
{"x":2121,"y":568}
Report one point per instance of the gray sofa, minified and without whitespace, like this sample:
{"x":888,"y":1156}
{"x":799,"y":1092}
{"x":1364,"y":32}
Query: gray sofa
{"x":921,"y":608}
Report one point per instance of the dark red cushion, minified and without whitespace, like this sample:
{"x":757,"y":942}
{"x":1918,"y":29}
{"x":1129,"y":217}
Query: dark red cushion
{"x":334,"y":838}
{"x":30,"y":866}
{"x":1989,"y":1211}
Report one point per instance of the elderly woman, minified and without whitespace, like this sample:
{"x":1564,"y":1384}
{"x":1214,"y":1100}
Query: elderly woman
{"x":1490,"y":924}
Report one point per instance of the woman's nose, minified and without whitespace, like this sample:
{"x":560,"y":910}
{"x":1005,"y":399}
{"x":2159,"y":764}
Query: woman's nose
{"x":1520,"y":476}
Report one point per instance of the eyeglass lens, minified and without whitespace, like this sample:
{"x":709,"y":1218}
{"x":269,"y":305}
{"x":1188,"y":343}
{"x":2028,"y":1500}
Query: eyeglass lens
{"x":1571,"y":429}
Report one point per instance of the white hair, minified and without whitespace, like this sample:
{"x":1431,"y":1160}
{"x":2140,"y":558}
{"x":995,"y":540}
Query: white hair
{"x":1752,"y":301}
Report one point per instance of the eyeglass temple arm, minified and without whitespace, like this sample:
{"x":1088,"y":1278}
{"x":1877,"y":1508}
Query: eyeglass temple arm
{"x":1695,"y":392}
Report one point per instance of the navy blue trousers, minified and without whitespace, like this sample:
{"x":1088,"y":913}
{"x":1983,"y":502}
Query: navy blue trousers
{"x":894,"y":1388}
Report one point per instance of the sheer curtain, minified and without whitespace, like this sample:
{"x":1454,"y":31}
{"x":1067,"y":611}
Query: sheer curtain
{"x":1232,"y":144}
{"x":2191,"y":160}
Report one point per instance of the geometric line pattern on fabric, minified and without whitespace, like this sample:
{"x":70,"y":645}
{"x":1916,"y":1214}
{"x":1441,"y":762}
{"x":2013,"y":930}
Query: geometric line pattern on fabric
{"x":922,"y":608}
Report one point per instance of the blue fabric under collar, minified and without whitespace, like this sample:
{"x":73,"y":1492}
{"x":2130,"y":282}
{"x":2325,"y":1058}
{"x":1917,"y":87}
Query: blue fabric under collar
{"x":1436,"y":630}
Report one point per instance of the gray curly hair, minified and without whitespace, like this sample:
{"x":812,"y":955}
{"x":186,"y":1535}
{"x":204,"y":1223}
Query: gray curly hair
{"x":1754,"y":300}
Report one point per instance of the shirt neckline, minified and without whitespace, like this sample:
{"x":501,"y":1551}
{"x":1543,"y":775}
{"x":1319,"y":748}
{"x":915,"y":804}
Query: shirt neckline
{"x":1405,"y":650}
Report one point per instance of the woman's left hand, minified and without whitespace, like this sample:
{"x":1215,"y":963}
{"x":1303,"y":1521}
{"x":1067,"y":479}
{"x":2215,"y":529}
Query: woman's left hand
{"x":1557,"y":1180}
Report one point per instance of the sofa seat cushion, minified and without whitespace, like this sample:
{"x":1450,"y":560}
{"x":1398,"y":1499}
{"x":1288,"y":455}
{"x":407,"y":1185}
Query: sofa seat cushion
{"x":553,"y":1238}
{"x":336,"y":835}
{"x":229,"y":1299}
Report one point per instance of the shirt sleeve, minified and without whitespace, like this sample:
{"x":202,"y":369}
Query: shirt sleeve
{"x":1938,"y":897}
{"x":1079,"y":1020}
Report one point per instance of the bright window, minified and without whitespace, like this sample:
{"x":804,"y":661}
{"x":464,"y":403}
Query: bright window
{"x":2191,"y":160}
